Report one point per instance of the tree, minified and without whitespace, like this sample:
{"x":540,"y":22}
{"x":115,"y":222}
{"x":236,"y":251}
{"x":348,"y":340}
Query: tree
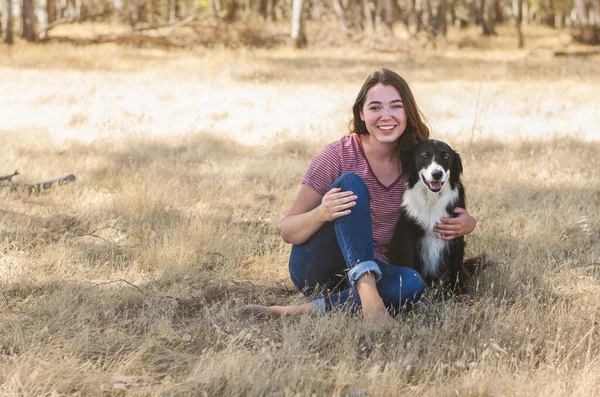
{"x":488,"y":17}
{"x":389,"y":15}
{"x":519,"y":14}
{"x":339,"y":13}
{"x":441,"y":24}
{"x":29,"y":20}
{"x":9,"y":23}
{"x":369,"y":16}
{"x":298,"y":36}
{"x":51,"y":10}
{"x":587,"y":21}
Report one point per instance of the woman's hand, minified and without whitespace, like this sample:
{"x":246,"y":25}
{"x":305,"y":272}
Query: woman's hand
{"x":451,"y":228}
{"x":336,"y":204}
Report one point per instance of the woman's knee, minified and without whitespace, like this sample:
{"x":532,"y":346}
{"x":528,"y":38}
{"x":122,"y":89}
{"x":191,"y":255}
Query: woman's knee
{"x":415,"y":288}
{"x":351,"y":182}
{"x":401,"y":289}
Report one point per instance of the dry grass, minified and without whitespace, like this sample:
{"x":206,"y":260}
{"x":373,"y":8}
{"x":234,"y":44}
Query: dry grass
{"x":186,"y":162}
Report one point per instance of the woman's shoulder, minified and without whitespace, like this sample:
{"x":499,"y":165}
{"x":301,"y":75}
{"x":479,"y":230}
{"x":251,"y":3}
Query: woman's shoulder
{"x":346,"y":142}
{"x":340,"y":150}
{"x":346,"y":147}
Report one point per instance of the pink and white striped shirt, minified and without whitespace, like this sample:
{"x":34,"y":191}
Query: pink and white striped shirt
{"x":348,"y":155}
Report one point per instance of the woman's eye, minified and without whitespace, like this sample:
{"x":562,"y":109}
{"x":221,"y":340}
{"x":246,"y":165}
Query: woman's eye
{"x":374,"y":108}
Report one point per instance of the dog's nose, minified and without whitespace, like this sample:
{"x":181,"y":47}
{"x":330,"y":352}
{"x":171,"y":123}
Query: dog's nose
{"x":436,"y":175}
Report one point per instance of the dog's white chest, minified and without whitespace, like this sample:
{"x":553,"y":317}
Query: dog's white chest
{"x":427,"y":209}
{"x":431,"y":249}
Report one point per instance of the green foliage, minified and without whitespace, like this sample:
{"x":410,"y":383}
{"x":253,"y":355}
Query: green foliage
{"x":203,"y":5}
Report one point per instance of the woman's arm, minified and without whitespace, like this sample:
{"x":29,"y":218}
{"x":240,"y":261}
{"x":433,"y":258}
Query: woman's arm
{"x":310,"y":211}
{"x":451,"y":228}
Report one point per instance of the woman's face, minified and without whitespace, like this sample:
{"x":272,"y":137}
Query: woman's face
{"x":383,"y":113}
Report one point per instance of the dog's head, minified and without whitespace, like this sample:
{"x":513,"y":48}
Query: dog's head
{"x":434,"y":163}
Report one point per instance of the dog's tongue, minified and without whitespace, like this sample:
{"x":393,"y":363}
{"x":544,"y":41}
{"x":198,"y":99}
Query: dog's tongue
{"x":435,"y":185}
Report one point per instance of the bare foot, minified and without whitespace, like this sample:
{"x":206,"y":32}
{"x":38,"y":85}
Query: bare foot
{"x":380,"y":318}
{"x":374,"y":311}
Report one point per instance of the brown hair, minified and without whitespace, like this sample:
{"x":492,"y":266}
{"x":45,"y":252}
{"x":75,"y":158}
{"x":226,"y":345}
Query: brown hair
{"x":416,"y":131}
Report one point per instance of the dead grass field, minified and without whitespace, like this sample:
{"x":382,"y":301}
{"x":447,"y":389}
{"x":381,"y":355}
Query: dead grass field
{"x":187,"y":161}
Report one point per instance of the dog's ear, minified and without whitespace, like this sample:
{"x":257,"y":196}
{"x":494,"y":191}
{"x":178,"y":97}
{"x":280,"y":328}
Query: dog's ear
{"x":407,"y":160}
{"x":457,"y":167}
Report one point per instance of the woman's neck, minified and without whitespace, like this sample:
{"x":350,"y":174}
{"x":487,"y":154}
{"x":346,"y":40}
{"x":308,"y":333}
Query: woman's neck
{"x":376,"y":150}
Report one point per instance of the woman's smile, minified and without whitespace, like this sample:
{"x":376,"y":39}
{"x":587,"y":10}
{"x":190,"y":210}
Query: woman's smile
{"x":383,"y":113}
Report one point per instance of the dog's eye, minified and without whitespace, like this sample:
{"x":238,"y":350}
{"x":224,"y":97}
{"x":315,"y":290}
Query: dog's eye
{"x":446,"y":157}
{"x":424,"y":156}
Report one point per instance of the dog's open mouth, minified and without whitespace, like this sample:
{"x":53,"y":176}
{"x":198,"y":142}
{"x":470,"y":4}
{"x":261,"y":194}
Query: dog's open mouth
{"x":433,"y":186}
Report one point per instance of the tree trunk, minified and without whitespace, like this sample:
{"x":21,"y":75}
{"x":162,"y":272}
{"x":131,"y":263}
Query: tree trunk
{"x":215,"y":7}
{"x":369,"y":17}
{"x":51,"y":10}
{"x":588,"y":24}
{"x":339,"y":12}
{"x":83,"y":10}
{"x":230,"y":7}
{"x":172,"y":7}
{"x":550,"y":13}
{"x":149,"y":10}
{"x":298,"y":36}
{"x":415,"y":17}
{"x":442,"y":22}
{"x":71,"y":9}
{"x":426,"y":15}
{"x":270,"y":10}
{"x":266,"y":10}
{"x":487,"y":16}
{"x":389,"y":16}
{"x":9,"y":23}
{"x":499,"y":11}
{"x":28,"y":20}
{"x":519,"y":13}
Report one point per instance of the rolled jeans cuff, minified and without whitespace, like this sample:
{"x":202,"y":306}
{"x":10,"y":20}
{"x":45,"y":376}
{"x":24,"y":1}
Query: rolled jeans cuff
{"x":359,"y":270}
{"x":320,"y":305}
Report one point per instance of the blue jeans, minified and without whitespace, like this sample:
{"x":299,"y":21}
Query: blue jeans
{"x":340,"y":252}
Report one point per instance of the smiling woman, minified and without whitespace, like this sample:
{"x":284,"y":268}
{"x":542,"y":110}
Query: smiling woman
{"x":345,"y":214}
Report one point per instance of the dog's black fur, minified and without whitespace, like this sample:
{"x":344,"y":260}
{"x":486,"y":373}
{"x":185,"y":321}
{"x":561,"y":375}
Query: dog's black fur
{"x":431,"y":193}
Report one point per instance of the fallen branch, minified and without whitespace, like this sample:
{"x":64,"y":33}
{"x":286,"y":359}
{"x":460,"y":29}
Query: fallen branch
{"x":38,"y":187}
{"x":122,"y":280}
{"x":93,"y":233}
{"x":549,"y":53}
{"x":9,"y":177}
{"x":68,"y":21}
{"x":576,"y":53}
{"x":35,"y":187}
{"x":180,"y":24}
{"x":126,"y":38}
{"x":189,"y":21}
{"x":134,"y":37}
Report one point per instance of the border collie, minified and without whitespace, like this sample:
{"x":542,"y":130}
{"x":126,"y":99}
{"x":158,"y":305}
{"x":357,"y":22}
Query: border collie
{"x":433,"y":189}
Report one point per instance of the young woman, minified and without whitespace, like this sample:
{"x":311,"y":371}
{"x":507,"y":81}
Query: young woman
{"x":346,"y":211}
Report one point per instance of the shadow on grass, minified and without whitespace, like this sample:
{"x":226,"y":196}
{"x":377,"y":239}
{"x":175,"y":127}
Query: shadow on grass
{"x":28,"y":232}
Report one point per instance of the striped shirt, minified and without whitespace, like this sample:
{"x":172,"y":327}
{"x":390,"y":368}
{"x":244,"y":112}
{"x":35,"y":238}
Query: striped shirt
{"x":348,"y":155}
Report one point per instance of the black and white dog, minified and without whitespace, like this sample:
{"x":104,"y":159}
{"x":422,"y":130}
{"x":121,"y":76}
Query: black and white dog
{"x":433,"y":189}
